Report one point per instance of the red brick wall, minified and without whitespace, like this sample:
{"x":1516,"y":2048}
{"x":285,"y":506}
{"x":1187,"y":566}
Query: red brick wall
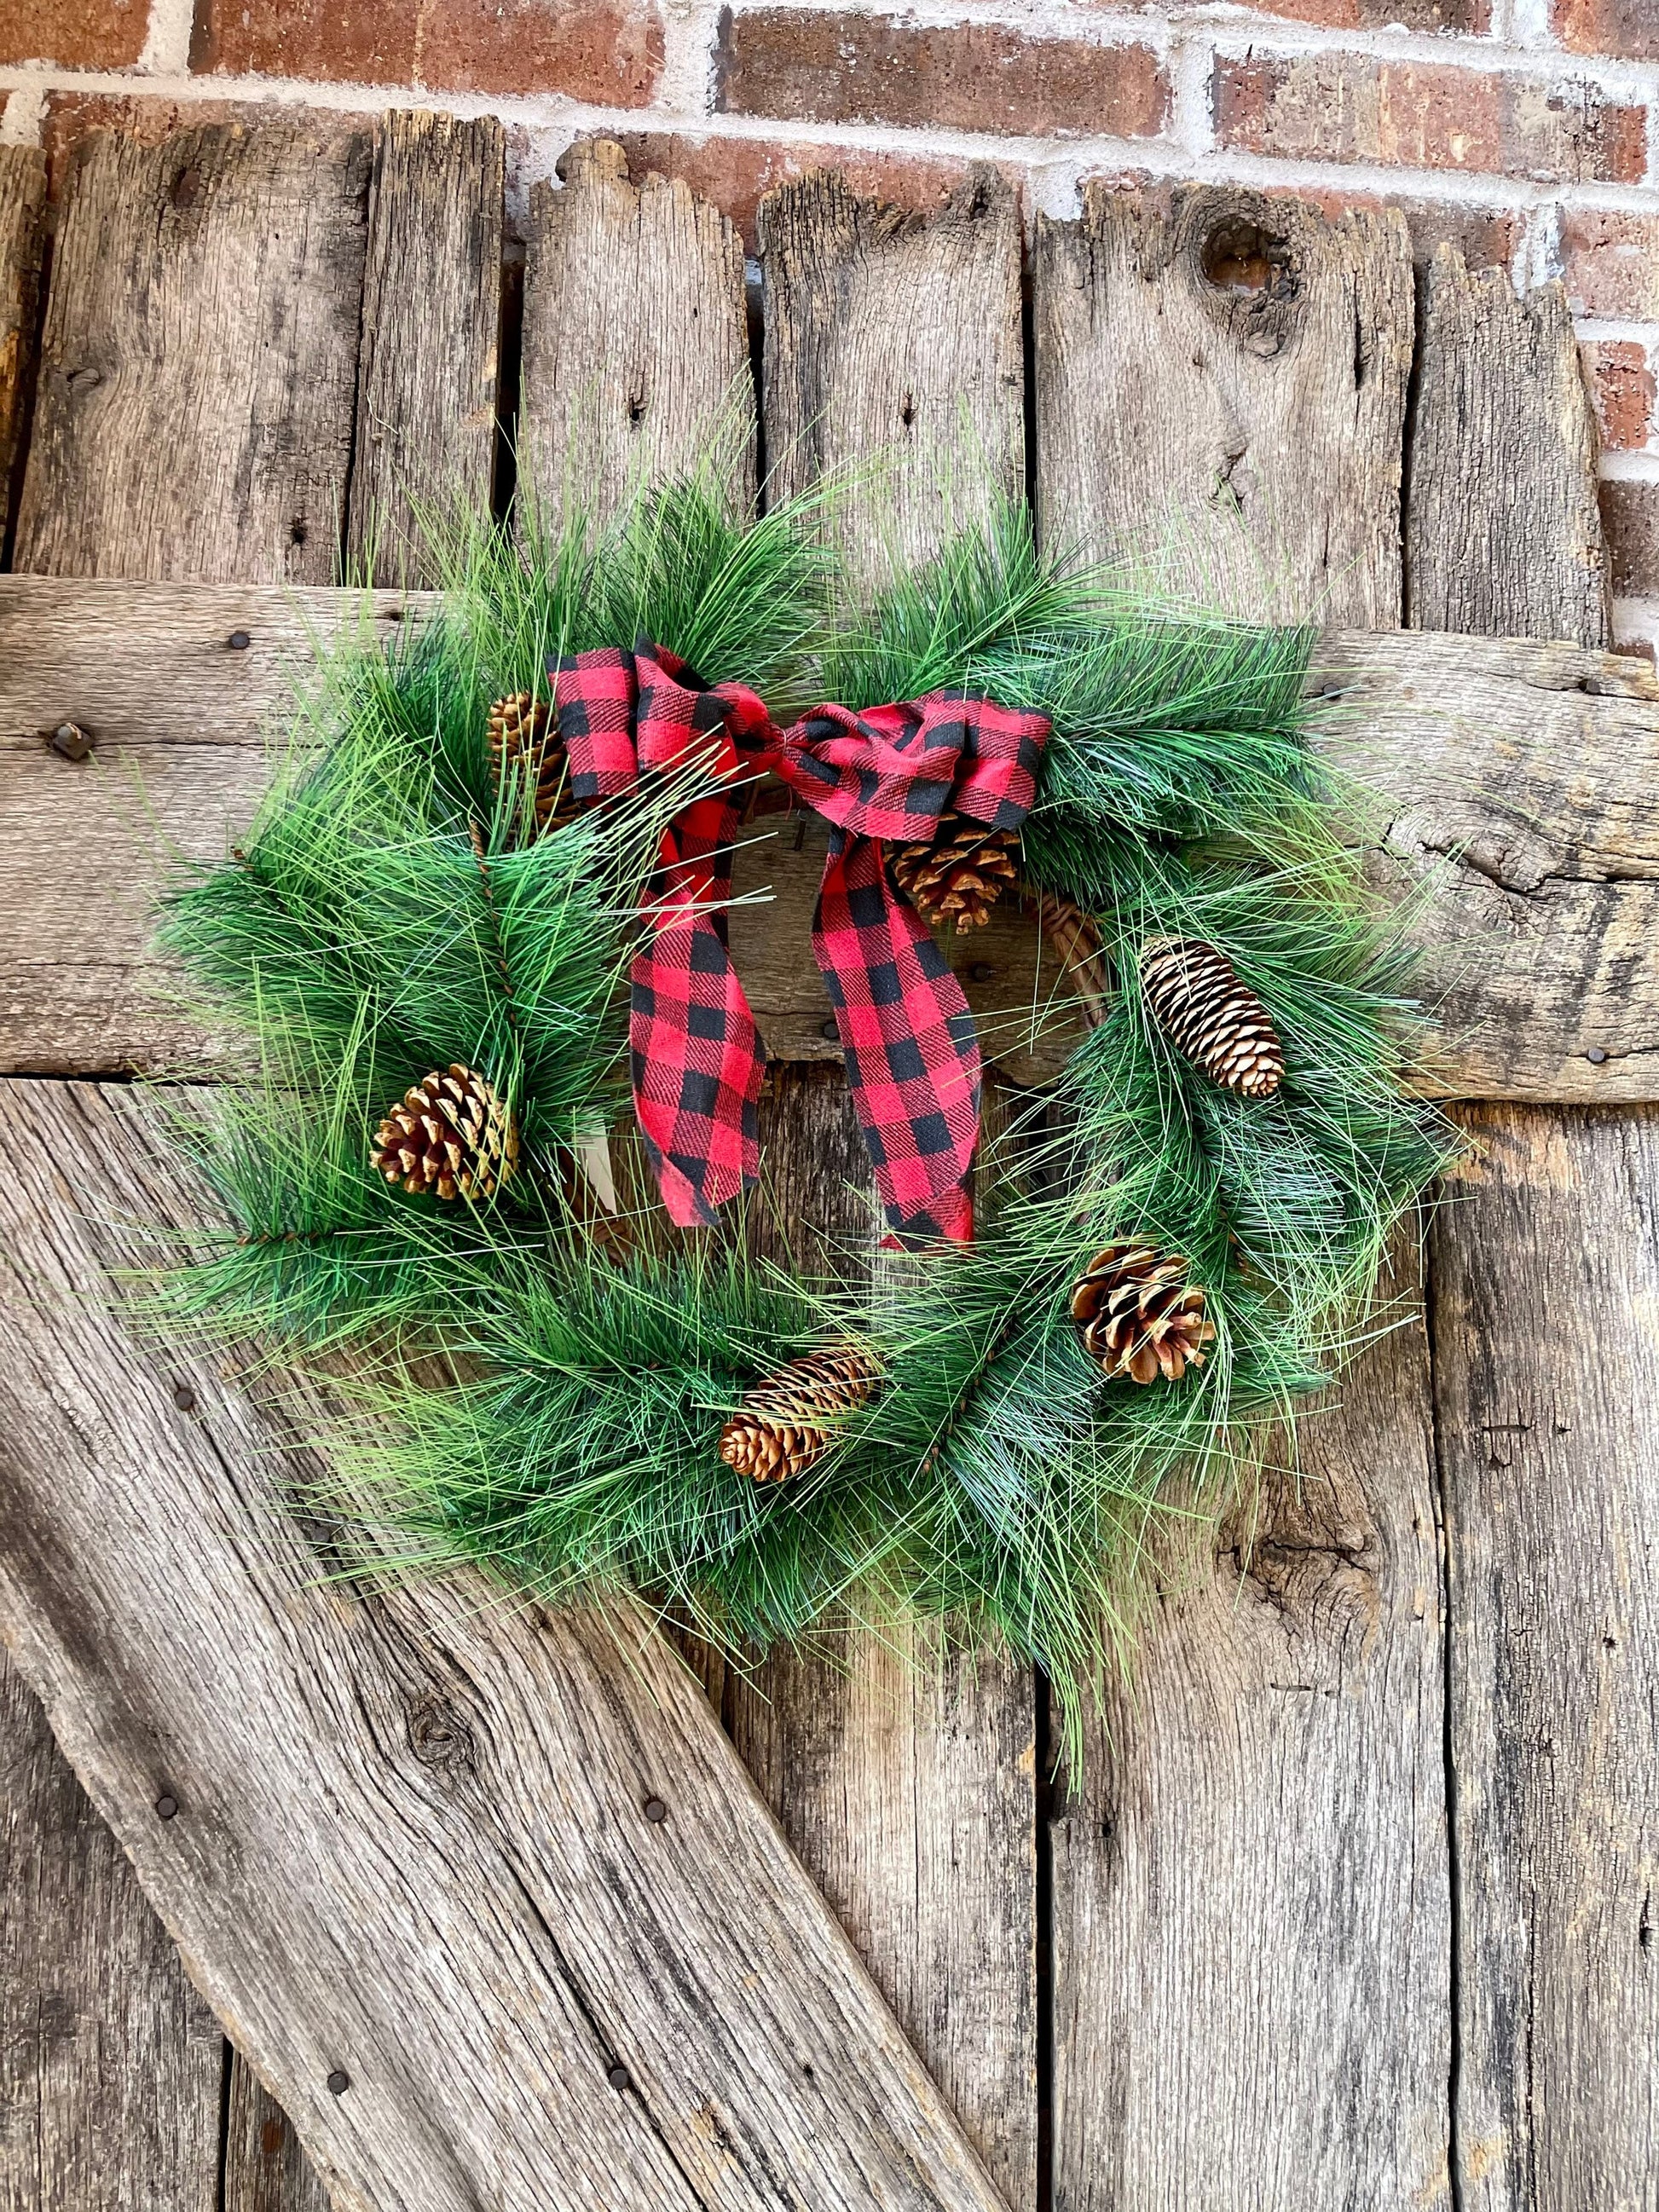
{"x":1525,"y":130}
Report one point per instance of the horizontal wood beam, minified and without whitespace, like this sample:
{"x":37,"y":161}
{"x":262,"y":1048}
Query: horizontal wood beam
{"x":1531,"y":878}
{"x":485,"y":1895}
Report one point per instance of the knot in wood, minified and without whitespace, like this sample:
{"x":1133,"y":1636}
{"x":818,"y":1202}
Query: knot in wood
{"x":440,"y":1736}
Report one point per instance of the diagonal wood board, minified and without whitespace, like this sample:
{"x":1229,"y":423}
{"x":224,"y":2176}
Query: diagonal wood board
{"x":1282,"y":1766}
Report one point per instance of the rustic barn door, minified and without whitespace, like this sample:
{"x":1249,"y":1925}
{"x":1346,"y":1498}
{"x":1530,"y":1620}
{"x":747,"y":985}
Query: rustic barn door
{"x":1351,"y":1902}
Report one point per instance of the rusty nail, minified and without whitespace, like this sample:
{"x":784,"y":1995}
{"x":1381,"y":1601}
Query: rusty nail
{"x":239,"y":641}
{"x":339,"y":2083}
{"x":619,"y":2077}
{"x":165,"y":1805}
{"x":655,"y":1810}
{"x":981,"y":972}
{"x":1595,"y":1055}
{"x":69,"y":739}
{"x":830,"y":1032}
{"x":184,"y":1397}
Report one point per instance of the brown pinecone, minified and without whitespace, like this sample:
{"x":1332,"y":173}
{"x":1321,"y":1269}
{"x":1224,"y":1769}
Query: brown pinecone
{"x":1210,"y":1017}
{"x":786,"y":1423}
{"x":451,"y":1133}
{"x":1139,"y":1315}
{"x":519,"y":734}
{"x":959,"y":874}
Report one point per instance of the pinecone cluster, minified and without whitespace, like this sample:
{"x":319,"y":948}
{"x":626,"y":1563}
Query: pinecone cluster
{"x":957,"y":876}
{"x":1210,"y":1017}
{"x":785,"y":1424}
{"x":1139,"y":1315}
{"x":520,"y":741}
{"x":452,"y":1133}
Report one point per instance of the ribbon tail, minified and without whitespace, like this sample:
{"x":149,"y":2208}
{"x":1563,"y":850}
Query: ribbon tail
{"x":697,"y":1069}
{"x":912,"y":1055}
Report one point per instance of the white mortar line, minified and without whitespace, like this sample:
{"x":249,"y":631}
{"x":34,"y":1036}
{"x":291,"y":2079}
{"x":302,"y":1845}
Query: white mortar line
{"x":1629,"y":468}
{"x":25,"y":112}
{"x":1528,"y":22}
{"x":166,"y":40}
{"x":1191,"y":69}
{"x":1602,"y":330}
{"x":687,"y":84}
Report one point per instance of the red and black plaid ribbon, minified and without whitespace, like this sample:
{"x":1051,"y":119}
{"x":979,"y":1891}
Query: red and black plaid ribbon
{"x":886,"y":774}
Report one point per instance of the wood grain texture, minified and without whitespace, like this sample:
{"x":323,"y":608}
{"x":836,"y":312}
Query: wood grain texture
{"x":265,"y":2169}
{"x":1220,"y":390}
{"x":1251,"y":1915}
{"x":907,"y":1785}
{"x":1252,"y":1933}
{"x":198,"y":364}
{"x":1502,"y":527}
{"x":111,"y":2065}
{"x":22,"y":206}
{"x":893,"y":356}
{"x":430,"y":350}
{"x":409,"y":1844}
{"x":1547,"y":1279}
{"x":635,"y":345}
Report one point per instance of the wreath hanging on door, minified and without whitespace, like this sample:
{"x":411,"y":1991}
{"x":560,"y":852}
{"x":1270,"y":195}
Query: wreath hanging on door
{"x":479,"y":932}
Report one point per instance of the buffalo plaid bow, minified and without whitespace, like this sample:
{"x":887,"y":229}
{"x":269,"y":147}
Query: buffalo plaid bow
{"x":912,"y":1057}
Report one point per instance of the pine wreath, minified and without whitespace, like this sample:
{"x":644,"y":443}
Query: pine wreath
{"x":485,"y":928}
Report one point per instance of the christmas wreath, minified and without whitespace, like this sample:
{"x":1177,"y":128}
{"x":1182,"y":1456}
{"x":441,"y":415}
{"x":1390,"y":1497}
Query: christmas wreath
{"x":478,"y":933}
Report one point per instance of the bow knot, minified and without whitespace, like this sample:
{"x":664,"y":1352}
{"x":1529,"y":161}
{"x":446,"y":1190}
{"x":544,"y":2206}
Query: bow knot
{"x":884,"y":775}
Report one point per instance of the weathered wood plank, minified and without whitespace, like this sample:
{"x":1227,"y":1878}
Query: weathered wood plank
{"x":265,"y":2169}
{"x":1220,"y":390}
{"x":1535,"y":882}
{"x":1251,"y":1929}
{"x":22,"y":205}
{"x":431,"y":335}
{"x":1251,"y":1915}
{"x":907,"y":1781}
{"x":408,"y":1847}
{"x":636,"y":347}
{"x":893,"y":344}
{"x":199,"y":365}
{"x":111,"y":2065}
{"x":1502,"y":527}
{"x":1546,"y":1277}
{"x":194,"y":416}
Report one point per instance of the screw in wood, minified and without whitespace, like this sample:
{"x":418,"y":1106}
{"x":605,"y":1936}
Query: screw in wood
{"x":339,"y":2083}
{"x":1595,"y":1056}
{"x":184,"y":1397}
{"x":239,"y":641}
{"x":619,"y":2077}
{"x":165,"y":1805}
{"x":655,"y":1810}
{"x":69,"y":739}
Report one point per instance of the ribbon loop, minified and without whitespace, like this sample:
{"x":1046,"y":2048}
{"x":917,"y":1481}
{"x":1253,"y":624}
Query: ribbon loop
{"x":884,"y":775}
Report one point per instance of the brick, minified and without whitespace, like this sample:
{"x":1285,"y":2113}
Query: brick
{"x":91,"y":34}
{"x":610,"y":51}
{"x":736,"y":174}
{"x":1488,"y":238}
{"x":1621,"y":385}
{"x":1630,"y":516}
{"x":1611,"y":264}
{"x":1629,"y":28}
{"x":1432,"y":115}
{"x":828,"y":67}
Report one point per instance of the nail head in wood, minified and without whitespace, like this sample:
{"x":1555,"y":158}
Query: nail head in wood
{"x":184,"y":1397}
{"x":655,"y":1810}
{"x":239,"y":641}
{"x":619,"y":2078}
{"x":339,"y":2083}
{"x":981,"y":972}
{"x":69,"y":739}
{"x":1595,"y":1056}
{"x":165,"y":1805}
{"x":830,"y":1032}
